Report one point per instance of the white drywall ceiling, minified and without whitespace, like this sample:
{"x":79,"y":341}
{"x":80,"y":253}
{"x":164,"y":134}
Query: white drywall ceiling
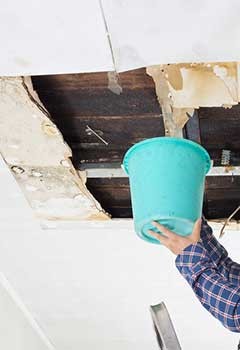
{"x":90,"y":286}
{"x":42,"y":37}
{"x":148,"y":32}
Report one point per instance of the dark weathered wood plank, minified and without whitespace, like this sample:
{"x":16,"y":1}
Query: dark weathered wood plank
{"x":220,"y":128}
{"x":113,"y":194}
{"x":192,"y":128}
{"x":132,"y":79}
{"x":78,"y":100}
{"x":222,"y":208}
{"x":225,"y":135}
{"x":222,"y":196}
{"x":222,"y":183}
{"x":116,"y":131}
{"x":92,"y":102}
{"x":220,"y":113}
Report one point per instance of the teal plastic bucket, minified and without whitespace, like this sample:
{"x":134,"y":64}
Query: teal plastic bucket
{"x":167,"y":177}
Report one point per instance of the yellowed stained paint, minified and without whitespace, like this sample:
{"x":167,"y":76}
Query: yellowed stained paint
{"x":180,"y":88}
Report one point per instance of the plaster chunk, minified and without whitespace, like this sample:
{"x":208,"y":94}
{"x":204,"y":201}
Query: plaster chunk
{"x":39,"y":158}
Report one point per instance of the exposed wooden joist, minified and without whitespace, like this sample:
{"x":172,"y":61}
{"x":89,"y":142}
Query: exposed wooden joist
{"x":77,"y":100}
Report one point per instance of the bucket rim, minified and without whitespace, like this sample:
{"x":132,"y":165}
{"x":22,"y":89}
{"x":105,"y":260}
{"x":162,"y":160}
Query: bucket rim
{"x":169,"y":140}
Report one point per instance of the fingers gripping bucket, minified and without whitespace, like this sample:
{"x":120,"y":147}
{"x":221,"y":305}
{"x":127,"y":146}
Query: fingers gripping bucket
{"x":167,"y":177}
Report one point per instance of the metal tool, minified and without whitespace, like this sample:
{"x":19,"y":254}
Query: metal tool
{"x":165,"y":332}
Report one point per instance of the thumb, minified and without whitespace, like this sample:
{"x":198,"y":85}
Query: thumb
{"x":197,"y":229}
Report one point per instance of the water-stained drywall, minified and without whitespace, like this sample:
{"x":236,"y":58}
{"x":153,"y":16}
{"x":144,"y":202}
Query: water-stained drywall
{"x":35,"y":150}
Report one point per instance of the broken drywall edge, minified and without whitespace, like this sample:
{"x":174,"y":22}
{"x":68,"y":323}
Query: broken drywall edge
{"x":55,"y":192}
{"x":174,"y":118}
{"x":198,"y":84}
{"x":181,"y":88}
{"x":27,"y":84}
{"x":126,"y":223}
{"x":113,"y":83}
{"x":24,"y":129}
{"x":35,"y":150}
{"x":204,"y":86}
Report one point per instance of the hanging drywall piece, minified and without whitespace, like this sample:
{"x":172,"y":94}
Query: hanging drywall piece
{"x":181,"y":88}
{"x":114,"y":83}
{"x":198,"y":85}
{"x":35,"y":151}
{"x":174,"y":118}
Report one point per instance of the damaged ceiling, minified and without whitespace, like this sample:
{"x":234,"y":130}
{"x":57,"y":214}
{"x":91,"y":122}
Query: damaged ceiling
{"x":100,"y":124}
{"x":82,"y":124}
{"x":62,"y":141}
{"x":100,"y":115}
{"x":52,"y":287}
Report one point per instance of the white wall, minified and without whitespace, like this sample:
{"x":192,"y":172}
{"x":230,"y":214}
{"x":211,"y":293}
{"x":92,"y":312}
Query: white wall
{"x":90,"y":285}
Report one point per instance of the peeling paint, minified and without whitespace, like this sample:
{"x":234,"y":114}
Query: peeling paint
{"x":183,"y":87}
{"x":198,"y":85}
{"x":174,"y":118}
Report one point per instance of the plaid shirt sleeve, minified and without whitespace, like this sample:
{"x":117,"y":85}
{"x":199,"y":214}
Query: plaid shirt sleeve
{"x":218,"y":254}
{"x":219,"y":296}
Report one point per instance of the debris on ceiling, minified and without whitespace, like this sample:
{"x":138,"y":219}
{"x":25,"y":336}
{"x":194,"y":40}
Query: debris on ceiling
{"x":174,"y":118}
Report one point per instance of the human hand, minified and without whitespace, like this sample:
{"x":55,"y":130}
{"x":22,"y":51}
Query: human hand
{"x":173,"y":241}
